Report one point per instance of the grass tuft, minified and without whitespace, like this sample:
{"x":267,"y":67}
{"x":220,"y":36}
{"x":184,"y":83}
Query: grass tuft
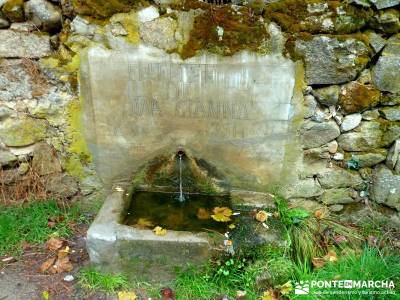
{"x":29,"y":223}
{"x":91,"y":279}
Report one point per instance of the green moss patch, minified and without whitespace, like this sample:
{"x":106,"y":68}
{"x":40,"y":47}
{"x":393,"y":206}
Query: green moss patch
{"x":240,"y":30}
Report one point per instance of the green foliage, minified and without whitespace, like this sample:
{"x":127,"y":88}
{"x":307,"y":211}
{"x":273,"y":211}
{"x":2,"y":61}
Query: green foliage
{"x":290,"y":216}
{"x":91,"y":279}
{"x":226,"y":278}
{"x":30,"y":223}
{"x":371,"y":264}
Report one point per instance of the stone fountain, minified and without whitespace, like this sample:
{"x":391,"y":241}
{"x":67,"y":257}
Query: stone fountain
{"x":232,"y":116}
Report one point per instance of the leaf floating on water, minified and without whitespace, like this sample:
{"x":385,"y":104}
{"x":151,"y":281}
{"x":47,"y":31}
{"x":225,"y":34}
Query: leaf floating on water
{"x":127,"y":296}
{"x":222,"y":214}
{"x":202,"y":214}
{"x":144,"y":223}
{"x":158,"y":230}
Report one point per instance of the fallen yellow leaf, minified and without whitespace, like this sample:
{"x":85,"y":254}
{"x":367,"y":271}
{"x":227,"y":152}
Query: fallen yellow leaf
{"x":286,"y":288}
{"x":222,"y":214}
{"x":45,"y":295}
{"x":158,"y":230}
{"x":232,"y":226}
{"x":331,"y":256}
{"x":127,"y":296}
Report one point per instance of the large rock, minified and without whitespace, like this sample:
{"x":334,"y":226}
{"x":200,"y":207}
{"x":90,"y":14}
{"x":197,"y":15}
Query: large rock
{"x":376,"y":41}
{"x":339,"y":178}
{"x":380,"y":4}
{"x":316,"y":134}
{"x":386,"y":21}
{"x":14,"y":10}
{"x":45,"y":160}
{"x":330,"y":60}
{"x":386,"y":73}
{"x":356,"y":97}
{"x":327,"y":96}
{"x":370,"y":135}
{"x":393,"y":158}
{"x":337,"y":196}
{"x":43,"y":14}
{"x":350,"y":122}
{"x":385,"y":187}
{"x":22,"y":131}
{"x":4,"y":23}
{"x":6,"y":157}
{"x":15,"y":84}
{"x":391,"y":113}
{"x":367,"y":159}
{"x":15,"y":44}
{"x":306,"y":188}
{"x":61,"y":185}
{"x":160,"y":33}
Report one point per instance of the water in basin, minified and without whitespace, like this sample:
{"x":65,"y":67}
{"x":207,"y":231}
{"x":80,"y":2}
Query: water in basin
{"x":150,"y":209}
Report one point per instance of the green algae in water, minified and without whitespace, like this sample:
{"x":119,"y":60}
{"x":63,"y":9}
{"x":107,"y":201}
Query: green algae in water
{"x":150,"y":209}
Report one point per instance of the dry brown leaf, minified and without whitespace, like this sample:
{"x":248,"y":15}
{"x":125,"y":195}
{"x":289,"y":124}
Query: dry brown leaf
{"x":158,"y":230}
{"x":47,"y":264}
{"x":261,"y":216}
{"x":63,"y":265}
{"x":54,"y":244}
{"x":318,"y":262}
{"x":222,"y":214}
{"x":321,"y":213}
{"x":202,"y":214}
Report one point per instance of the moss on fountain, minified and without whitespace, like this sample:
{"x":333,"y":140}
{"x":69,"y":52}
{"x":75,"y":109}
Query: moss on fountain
{"x":105,"y":8}
{"x":241,"y":30}
{"x":79,"y":154}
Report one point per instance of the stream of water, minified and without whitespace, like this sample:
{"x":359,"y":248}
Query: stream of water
{"x":181,"y":196}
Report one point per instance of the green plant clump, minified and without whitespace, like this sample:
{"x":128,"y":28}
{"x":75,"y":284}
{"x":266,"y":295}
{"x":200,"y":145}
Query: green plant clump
{"x":29,"y":223}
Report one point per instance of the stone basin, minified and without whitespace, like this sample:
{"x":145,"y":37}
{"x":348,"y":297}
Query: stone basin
{"x":143,"y":255}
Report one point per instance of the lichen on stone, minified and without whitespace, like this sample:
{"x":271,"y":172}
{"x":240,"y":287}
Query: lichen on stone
{"x":78,"y":152}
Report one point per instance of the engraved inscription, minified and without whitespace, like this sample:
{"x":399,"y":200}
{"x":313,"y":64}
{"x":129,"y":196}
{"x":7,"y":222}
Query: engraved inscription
{"x":235,"y":112}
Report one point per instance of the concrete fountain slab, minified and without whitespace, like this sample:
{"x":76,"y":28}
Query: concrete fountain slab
{"x":140,"y":253}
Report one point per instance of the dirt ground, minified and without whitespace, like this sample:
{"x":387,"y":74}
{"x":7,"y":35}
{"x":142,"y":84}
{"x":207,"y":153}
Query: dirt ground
{"x":22,"y":280}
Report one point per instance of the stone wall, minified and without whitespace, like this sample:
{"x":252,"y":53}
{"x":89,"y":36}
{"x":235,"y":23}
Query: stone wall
{"x":351,"y":56}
